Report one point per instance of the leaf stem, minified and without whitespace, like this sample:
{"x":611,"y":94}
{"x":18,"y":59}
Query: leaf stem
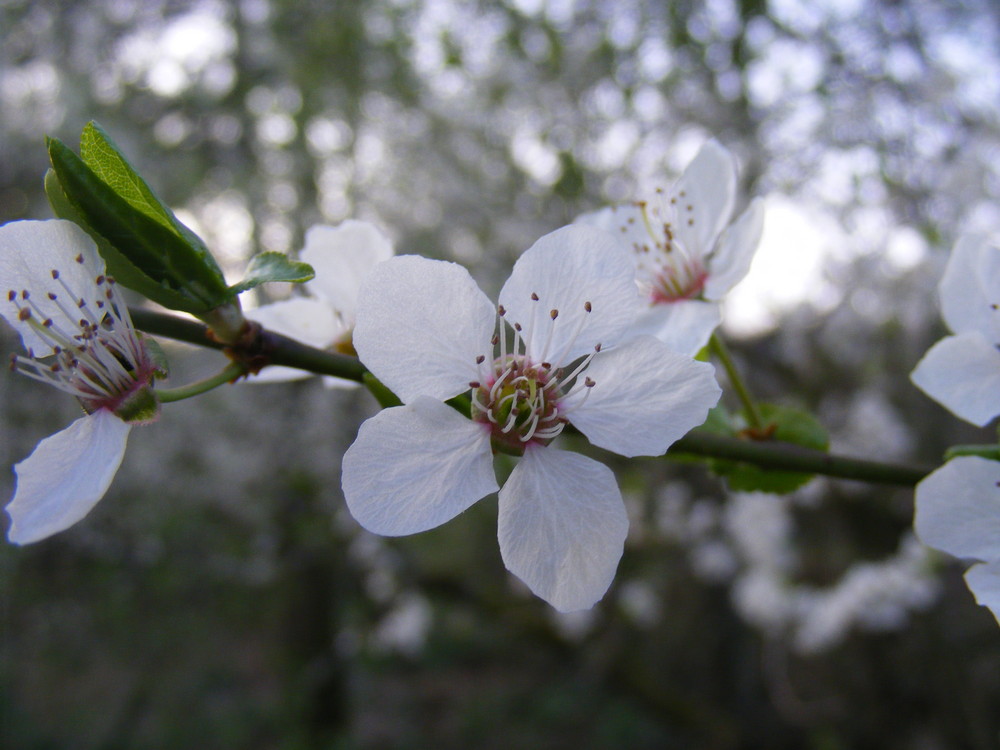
{"x":720,"y":351}
{"x":227,"y":374}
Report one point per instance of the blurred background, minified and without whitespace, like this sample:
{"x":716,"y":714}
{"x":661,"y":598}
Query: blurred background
{"x":222,"y":597}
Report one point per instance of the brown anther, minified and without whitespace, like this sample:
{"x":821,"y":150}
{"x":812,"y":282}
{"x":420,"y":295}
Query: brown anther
{"x":100,"y":279}
{"x":534,"y":297}
{"x":673,"y":201}
{"x":553,"y":314}
{"x":690,"y":222}
{"x":55,"y":274}
{"x":25,"y":294}
{"x":13,"y":362}
{"x":23,"y":314}
{"x":474,"y":384}
{"x":683,"y":193}
{"x":587,"y":306}
{"x":547,"y":365}
{"x":48,"y":323}
{"x":597,"y":347}
{"x":659,"y":191}
{"x":480,"y":359}
{"x":52,"y":296}
{"x":690,"y":207}
{"x":501,"y":310}
{"x":517,"y":327}
{"x":82,"y":303}
{"x":995,"y":306}
{"x":11,"y":295}
{"x":588,"y":383}
{"x":495,"y":340}
{"x":79,"y":259}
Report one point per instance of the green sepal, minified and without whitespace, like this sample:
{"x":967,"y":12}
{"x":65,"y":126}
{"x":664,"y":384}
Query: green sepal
{"x":140,"y":407}
{"x":782,"y":423}
{"x":167,"y":262}
{"x":382,"y":394}
{"x":991,"y":452}
{"x":272,"y":266}
{"x":161,"y":367}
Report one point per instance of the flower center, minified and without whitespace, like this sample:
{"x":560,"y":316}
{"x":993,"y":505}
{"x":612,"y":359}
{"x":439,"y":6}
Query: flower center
{"x":95,"y":354}
{"x":667,"y":269}
{"x":521,"y":404}
{"x":525,"y":399}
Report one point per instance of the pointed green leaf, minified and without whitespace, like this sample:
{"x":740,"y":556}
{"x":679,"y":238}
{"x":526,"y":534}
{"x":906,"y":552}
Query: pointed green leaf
{"x":139,"y":227}
{"x":121,"y":268}
{"x":273,"y":267}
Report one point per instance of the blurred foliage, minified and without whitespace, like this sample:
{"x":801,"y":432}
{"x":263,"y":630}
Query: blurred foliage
{"x":221,"y":596}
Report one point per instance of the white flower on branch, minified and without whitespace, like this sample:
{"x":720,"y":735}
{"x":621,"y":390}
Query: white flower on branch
{"x":555,"y":351}
{"x":342,"y":257}
{"x":958,"y":512}
{"x":687,"y":254}
{"x":78,"y":338}
{"x":962,"y":372}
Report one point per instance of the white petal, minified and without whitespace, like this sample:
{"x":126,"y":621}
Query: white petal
{"x":310,"y":321}
{"x":562,"y":527}
{"x":963,"y":374}
{"x":970,"y":287}
{"x":734,"y":252}
{"x":684,"y":326}
{"x":645,"y":397}
{"x":566,"y":269}
{"x":709,"y":187}
{"x":65,"y":476}
{"x":984,"y":582}
{"x":958,"y":509}
{"x":342,"y":257}
{"x":414,"y":467}
{"x":29,"y":252}
{"x":421,"y":325}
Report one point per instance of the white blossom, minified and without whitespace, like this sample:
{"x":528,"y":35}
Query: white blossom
{"x":687,"y":254}
{"x":554,"y":352}
{"x":78,"y":338}
{"x":962,"y":372}
{"x":958,"y":512}
{"x":342,"y":257}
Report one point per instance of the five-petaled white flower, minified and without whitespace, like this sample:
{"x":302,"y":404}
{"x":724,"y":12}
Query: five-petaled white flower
{"x":342,"y":257}
{"x":79,"y":338}
{"x":554,"y":352}
{"x":962,"y":372}
{"x":958,"y":512}
{"x":958,"y":505}
{"x":687,"y":254}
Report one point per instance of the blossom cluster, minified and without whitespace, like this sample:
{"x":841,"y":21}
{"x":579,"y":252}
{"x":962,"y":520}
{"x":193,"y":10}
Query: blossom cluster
{"x":594,"y":333}
{"x":958,"y":506}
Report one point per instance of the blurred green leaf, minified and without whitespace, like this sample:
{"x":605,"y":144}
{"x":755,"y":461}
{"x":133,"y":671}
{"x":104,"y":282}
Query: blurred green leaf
{"x":783,"y":423}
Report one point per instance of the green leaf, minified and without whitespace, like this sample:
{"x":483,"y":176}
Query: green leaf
{"x":785,"y":424}
{"x":121,"y":268}
{"x":138,"y":226}
{"x":273,"y":267}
